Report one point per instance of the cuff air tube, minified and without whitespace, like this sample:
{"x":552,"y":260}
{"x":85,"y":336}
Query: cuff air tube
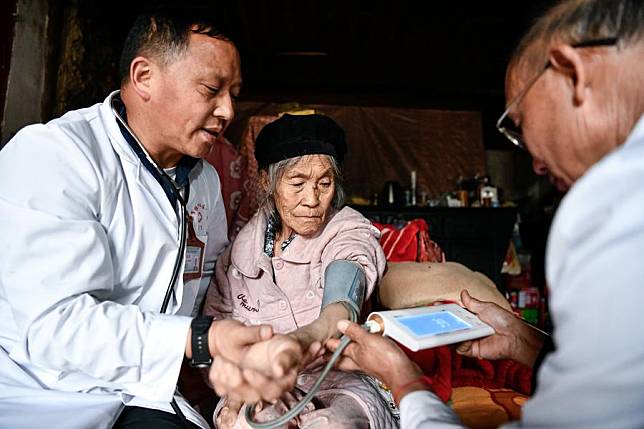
{"x":345,"y":282}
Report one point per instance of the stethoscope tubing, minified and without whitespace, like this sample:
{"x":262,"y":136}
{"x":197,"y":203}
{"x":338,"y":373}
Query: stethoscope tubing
{"x":297,"y":409}
{"x":182,"y":218}
{"x":180,"y":253}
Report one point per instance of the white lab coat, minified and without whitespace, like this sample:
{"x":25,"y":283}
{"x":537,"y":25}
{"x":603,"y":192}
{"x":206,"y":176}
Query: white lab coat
{"x":88,"y":241}
{"x":595,"y":377}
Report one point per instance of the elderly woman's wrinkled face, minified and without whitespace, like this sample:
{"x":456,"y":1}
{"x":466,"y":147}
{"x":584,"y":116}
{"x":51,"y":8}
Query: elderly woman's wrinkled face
{"x":304,"y":194}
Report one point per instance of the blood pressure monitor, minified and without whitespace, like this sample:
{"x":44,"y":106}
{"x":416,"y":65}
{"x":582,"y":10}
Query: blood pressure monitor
{"x":426,"y":327}
{"x":416,"y":328}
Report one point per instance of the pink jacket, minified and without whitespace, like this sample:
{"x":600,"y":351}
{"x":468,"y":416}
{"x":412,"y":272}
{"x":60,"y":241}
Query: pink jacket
{"x":244,"y":289}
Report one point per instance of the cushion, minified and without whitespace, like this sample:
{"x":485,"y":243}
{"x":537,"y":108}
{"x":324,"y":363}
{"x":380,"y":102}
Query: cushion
{"x":411,"y":242}
{"x":412,"y":284}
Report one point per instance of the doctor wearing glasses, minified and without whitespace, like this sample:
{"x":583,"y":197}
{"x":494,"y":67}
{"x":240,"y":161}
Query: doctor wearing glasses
{"x":576,"y":102}
{"x":110,"y":226}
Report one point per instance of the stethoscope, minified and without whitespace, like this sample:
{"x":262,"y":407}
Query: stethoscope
{"x":181,"y":213}
{"x":182,"y":217}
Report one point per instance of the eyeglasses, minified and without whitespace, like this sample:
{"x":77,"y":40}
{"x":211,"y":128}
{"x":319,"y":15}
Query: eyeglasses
{"x":509,"y":129}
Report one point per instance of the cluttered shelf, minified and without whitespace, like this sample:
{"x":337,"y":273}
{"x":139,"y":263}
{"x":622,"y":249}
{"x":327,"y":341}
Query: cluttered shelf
{"x":475,"y":237}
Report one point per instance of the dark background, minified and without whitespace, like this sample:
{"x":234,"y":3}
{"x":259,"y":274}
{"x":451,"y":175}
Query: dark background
{"x":445,"y":55}
{"x":440,"y":54}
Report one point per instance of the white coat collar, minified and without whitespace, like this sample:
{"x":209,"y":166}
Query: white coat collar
{"x":119,"y":143}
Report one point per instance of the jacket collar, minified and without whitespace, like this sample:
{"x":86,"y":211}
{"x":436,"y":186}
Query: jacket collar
{"x":247,"y":253}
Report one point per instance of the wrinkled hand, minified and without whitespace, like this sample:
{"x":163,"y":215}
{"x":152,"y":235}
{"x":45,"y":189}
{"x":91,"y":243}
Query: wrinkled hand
{"x":267,"y":370}
{"x":231,"y":339}
{"x":313,"y":356}
{"x":229,"y":413}
{"x":375,"y":355}
{"x":513,"y":339}
{"x":277,"y":357}
{"x":246,"y":384}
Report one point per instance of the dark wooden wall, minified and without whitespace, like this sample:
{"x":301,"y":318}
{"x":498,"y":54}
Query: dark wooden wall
{"x":7,"y":21}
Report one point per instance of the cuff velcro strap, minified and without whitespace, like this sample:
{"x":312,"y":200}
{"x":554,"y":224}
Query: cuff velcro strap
{"x":345,"y":282}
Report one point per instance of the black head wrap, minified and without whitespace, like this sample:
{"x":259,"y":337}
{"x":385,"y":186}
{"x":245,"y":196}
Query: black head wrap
{"x":295,"y":135}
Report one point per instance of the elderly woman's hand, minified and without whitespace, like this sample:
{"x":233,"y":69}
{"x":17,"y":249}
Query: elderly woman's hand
{"x":312,"y":336}
{"x":248,"y":369}
{"x":245,"y":384}
{"x":276,"y":357}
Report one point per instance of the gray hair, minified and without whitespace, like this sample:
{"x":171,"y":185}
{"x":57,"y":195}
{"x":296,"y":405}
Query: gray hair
{"x":275,"y":172}
{"x":575,"y":21}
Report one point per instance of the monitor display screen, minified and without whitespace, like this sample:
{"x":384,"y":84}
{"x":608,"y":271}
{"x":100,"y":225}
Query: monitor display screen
{"x":439,"y":322}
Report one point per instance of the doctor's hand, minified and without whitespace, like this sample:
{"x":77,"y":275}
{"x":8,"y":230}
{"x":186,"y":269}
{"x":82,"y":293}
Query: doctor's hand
{"x":231,"y":339}
{"x":513,"y":338}
{"x":246,"y":384}
{"x":377,"y":356}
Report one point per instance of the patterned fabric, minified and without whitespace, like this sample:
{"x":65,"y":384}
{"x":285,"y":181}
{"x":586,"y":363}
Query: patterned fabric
{"x":231,"y":167}
{"x":247,"y":151}
{"x":409,"y":243}
{"x":483,"y":408}
{"x":269,"y":238}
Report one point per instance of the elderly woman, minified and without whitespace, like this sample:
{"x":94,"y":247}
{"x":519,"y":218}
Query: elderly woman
{"x":301,"y":264}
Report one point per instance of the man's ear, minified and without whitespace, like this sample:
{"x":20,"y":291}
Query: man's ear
{"x":140,"y":77}
{"x":566,"y":60}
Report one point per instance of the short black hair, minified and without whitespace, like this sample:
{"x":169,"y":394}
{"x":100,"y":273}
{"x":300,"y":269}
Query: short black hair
{"x":164,"y":33}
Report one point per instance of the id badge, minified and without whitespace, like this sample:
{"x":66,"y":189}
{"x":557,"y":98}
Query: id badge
{"x":195,"y":250}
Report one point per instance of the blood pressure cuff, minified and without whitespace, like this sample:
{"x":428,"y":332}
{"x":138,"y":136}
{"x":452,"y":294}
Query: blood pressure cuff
{"x":345,"y":282}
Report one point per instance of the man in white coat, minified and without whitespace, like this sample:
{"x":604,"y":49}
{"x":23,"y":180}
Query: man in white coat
{"x":575,"y":91}
{"x":110,"y":225}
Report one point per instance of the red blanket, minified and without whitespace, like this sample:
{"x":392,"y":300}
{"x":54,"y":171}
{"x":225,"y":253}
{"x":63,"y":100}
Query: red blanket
{"x":409,"y":243}
{"x":448,"y":369}
{"x":443,"y":365}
